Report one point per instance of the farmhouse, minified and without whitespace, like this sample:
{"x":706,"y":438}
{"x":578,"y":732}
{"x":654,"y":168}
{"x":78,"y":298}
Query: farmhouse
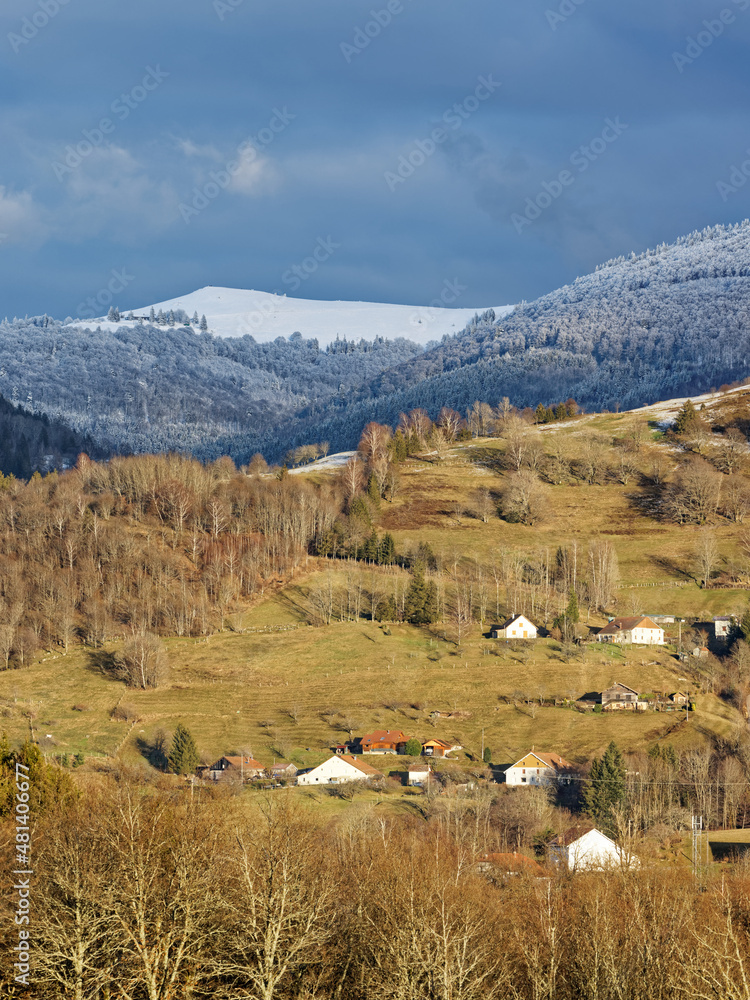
{"x":282,"y":770}
{"x":240,"y":767}
{"x":438,"y":748}
{"x":383,"y":741}
{"x":619,"y":696}
{"x":516,"y":627}
{"x":639,"y":631}
{"x":418,"y":774}
{"x":336,"y":770}
{"x":537,"y":769}
{"x":583,"y":848}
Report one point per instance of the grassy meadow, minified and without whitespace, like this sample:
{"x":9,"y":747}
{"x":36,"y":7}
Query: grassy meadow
{"x":293,"y":691}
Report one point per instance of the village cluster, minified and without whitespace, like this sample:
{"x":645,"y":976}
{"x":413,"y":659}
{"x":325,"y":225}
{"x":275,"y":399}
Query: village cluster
{"x":582,"y":846}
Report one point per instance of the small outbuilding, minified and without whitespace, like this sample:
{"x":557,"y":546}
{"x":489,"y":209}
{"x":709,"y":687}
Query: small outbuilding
{"x":418,"y":774}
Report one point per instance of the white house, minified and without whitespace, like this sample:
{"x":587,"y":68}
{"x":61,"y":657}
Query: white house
{"x":639,"y":631}
{"x":516,"y":627}
{"x":537,"y":769}
{"x":337,"y":769}
{"x":586,"y":848}
{"x":418,"y":774}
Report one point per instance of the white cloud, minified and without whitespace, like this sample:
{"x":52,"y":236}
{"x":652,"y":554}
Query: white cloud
{"x":21,"y":219}
{"x":111,"y":193}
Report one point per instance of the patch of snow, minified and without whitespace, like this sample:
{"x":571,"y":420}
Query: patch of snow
{"x":329,"y":462}
{"x":234,"y":312}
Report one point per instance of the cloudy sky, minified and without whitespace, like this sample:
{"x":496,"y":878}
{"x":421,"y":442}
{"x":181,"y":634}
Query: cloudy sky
{"x":507,"y":146}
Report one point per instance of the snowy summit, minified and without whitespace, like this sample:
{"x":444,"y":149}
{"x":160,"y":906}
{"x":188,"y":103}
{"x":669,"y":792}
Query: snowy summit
{"x":235,"y":312}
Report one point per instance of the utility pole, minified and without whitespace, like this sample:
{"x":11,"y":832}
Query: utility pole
{"x":483,"y":743}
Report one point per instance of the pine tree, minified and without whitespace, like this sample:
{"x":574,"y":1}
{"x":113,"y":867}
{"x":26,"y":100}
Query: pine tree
{"x":686,"y":418}
{"x":152,"y":316}
{"x":606,"y":788}
{"x":420,"y":605}
{"x":571,"y":612}
{"x":371,"y":547}
{"x":204,"y":323}
{"x":183,"y":754}
{"x":195,"y":319}
{"x":387,"y":552}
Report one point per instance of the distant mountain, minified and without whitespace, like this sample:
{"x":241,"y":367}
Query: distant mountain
{"x":235,"y":312}
{"x":669,"y":322}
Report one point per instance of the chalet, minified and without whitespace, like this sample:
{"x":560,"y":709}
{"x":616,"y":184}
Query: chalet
{"x":678,"y":698}
{"x":281,"y":771}
{"x":438,"y":748}
{"x":619,"y":696}
{"x":418,"y":774}
{"x":383,"y":741}
{"x":537,"y":769}
{"x":639,"y":631}
{"x":337,"y":770}
{"x":244,"y":768}
{"x":516,"y":627}
{"x":585,"y":847}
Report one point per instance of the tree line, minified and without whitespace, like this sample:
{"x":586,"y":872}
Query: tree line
{"x":140,"y":893}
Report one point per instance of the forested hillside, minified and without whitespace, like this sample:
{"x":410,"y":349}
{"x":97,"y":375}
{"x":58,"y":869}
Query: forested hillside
{"x":669,"y":322}
{"x":154,"y":387}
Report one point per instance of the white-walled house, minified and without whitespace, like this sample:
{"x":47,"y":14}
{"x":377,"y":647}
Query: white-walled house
{"x":638,"y":630}
{"x":418,"y":774}
{"x":582,"y":848}
{"x":537,"y":769}
{"x":517,"y":627}
{"x":338,"y":769}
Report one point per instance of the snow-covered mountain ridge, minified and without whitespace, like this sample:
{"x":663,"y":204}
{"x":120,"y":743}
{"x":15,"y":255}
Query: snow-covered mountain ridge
{"x":235,"y":312}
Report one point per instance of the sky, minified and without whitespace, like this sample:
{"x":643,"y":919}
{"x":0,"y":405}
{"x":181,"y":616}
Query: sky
{"x":383,"y":151}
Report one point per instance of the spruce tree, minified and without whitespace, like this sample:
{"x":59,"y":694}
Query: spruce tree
{"x":571,"y":612}
{"x":204,"y":323}
{"x":686,"y":418}
{"x":606,"y":789}
{"x":183,"y":754}
{"x":387,"y":553}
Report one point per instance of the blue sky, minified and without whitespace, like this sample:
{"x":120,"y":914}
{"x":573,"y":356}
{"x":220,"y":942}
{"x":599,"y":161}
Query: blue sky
{"x":122,"y":122}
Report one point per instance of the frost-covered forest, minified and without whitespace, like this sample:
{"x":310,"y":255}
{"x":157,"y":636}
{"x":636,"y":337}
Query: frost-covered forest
{"x":669,"y":322}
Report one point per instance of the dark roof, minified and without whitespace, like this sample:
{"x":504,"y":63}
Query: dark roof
{"x":572,"y":834}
